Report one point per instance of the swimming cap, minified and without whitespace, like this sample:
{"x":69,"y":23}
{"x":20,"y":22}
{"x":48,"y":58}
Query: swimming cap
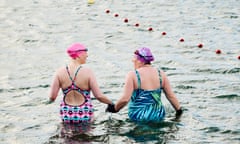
{"x":75,"y":50}
{"x":144,"y":54}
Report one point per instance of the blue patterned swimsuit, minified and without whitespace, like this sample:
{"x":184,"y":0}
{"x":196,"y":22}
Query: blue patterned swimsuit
{"x":146,"y":105}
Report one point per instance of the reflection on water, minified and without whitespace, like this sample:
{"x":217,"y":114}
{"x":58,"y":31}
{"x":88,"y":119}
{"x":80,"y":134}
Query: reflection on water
{"x":159,"y":133}
{"x":34,"y":36}
{"x":75,"y":133}
{"x":129,"y":132}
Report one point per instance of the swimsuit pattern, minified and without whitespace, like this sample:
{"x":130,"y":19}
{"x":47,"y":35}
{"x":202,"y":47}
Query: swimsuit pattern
{"x":80,"y":113}
{"x":146,"y":105}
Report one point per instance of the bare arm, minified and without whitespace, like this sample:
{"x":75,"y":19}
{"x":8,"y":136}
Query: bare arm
{"x":127,"y":92}
{"x":96,"y":90}
{"x":169,"y":93}
{"x":55,"y":86}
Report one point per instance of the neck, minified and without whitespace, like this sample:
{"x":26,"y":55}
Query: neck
{"x":76,"y":62}
{"x":144,"y":65}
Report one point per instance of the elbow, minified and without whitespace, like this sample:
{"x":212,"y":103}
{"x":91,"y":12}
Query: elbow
{"x":121,"y":104}
{"x":169,"y":94}
{"x":124,"y":102}
{"x":52,"y":99}
{"x":53,"y":96}
{"x":100,"y":97}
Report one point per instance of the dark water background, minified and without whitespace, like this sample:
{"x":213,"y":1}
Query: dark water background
{"x":35,"y":34}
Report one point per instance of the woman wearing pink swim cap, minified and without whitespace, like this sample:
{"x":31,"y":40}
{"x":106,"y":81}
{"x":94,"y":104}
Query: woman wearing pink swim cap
{"x":142,"y":91}
{"x":76,"y":82}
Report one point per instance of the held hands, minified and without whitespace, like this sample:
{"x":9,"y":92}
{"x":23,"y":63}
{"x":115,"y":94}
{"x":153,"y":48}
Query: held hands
{"x":111,"y":108}
{"x":179,"y":113}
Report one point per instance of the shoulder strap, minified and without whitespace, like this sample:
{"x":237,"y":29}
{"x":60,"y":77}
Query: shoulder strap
{"x":160,"y":77}
{"x":138,"y":78}
{"x":76,"y":72}
{"x":69,"y":73}
{"x":73,"y":79}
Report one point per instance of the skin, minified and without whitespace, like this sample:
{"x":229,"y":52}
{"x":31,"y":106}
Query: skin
{"x":149,"y":81}
{"x":85,"y":80}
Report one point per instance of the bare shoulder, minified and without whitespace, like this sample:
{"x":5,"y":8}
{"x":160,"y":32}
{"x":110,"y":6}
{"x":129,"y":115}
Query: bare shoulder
{"x":130,"y":75}
{"x":162,"y":73}
{"x":87,"y":70}
{"x":164,"y":78}
{"x":60,"y":70}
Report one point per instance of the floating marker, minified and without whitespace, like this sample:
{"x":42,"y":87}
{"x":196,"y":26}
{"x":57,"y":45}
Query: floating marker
{"x":91,"y":1}
{"x":137,"y":25}
{"x":107,"y":11}
{"x":218,"y":51}
{"x":200,"y":45}
{"x":164,"y":33}
{"x":150,"y":29}
{"x":181,"y":40}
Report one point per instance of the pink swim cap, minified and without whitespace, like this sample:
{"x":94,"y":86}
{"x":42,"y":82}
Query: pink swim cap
{"x":75,"y":50}
{"x":144,"y":54}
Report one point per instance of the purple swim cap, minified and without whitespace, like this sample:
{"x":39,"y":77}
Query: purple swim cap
{"x":144,"y":54}
{"x":75,"y":50}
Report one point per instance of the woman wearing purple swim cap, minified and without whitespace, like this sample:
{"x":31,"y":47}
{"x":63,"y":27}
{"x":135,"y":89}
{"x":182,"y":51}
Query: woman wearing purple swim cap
{"x":76,"y":82}
{"x":142,"y":91}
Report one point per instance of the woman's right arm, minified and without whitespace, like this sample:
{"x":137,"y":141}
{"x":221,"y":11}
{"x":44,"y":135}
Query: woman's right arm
{"x":55,"y":86}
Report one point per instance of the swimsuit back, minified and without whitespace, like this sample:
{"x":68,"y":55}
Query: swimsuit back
{"x":80,"y":113}
{"x":146,"y":105}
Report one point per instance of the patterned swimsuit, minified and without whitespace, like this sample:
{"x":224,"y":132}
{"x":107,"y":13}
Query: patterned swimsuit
{"x":80,"y":113}
{"x":146,"y":105}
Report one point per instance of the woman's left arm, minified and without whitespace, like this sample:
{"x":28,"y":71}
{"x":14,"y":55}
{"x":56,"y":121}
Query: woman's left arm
{"x":169,"y":93}
{"x":127,"y":91}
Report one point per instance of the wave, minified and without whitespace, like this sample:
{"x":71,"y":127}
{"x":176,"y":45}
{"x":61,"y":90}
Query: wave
{"x":230,"y":96}
{"x":23,"y":88}
{"x":219,"y":71}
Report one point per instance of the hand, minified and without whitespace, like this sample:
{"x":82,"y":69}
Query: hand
{"x":179,"y":113}
{"x":48,"y":102}
{"x":111,"y":108}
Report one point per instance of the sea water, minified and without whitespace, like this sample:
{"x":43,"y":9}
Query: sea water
{"x":34,"y":36}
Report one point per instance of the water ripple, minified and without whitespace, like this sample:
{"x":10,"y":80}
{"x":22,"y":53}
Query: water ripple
{"x":185,"y":87}
{"x":230,"y":96}
{"x":35,"y":35}
{"x":219,"y":71}
{"x":211,"y":129}
{"x":24,"y":88}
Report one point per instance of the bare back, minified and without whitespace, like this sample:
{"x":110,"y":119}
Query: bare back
{"x":149,"y":78}
{"x":73,"y":82}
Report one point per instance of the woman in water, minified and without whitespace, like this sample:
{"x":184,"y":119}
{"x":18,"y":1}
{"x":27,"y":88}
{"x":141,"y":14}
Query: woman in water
{"x":76,"y":82}
{"x":142,"y":91}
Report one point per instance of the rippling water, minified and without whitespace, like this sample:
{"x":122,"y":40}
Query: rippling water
{"x":34,"y":35}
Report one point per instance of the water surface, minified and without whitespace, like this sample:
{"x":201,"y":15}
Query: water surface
{"x":35,"y":34}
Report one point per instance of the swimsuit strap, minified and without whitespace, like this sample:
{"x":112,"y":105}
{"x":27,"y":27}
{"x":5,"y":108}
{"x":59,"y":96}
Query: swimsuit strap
{"x":139,"y":79}
{"x":76,"y":72}
{"x":160,"y":77}
{"x":73,"y":79}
